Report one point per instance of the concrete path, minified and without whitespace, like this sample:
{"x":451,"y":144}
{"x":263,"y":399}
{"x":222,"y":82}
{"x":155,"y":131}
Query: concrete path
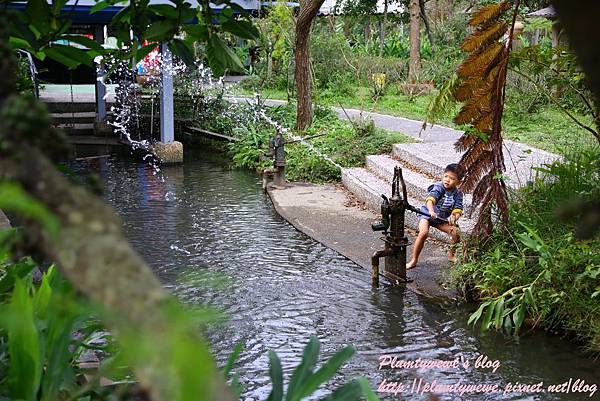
{"x":331,"y":216}
{"x":435,"y":133}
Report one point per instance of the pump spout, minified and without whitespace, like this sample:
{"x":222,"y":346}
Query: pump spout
{"x":375,"y":265}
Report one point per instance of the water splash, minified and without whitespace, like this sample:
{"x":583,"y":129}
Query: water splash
{"x":260,"y":114}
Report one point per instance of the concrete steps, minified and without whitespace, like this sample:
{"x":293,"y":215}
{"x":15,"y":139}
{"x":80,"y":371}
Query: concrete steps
{"x":416,"y":182}
{"x":422,"y":164}
{"x":432,"y":158}
{"x":77,"y":129}
{"x":368,"y":186}
{"x":68,"y":107}
{"x":85,"y":117}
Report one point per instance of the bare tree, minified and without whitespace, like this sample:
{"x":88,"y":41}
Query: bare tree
{"x":382,"y":28}
{"x":308,"y":12}
{"x":414,"y":67}
{"x":426,"y":21}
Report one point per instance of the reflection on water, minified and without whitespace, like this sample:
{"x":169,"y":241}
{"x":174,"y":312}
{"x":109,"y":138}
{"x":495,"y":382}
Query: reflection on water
{"x":281,"y":287}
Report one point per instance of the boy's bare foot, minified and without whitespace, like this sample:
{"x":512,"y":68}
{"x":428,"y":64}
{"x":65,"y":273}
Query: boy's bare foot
{"x":452,"y":258}
{"x":411,"y":265}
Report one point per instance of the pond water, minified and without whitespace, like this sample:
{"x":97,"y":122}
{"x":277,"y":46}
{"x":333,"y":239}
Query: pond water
{"x":280,"y":287}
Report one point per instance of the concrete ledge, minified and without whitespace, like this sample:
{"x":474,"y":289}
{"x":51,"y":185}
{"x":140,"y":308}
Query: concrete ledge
{"x":169,"y":153}
{"x":325,"y":213}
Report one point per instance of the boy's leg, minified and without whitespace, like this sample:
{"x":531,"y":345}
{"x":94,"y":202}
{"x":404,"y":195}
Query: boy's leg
{"x":419,"y":242}
{"x":453,"y":231}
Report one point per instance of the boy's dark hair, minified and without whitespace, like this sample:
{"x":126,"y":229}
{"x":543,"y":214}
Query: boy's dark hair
{"x":456,"y":169}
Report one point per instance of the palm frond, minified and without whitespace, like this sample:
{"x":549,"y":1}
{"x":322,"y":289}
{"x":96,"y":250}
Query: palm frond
{"x":484,"y":36}
{"x":488,"y":13}
{"x":482,"y":77}
{"x":478,"y":63}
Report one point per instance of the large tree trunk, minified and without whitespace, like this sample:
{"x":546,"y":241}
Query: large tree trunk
{"x":367,"y":30}
{"x":414,"y":67}
{"x":308,"y":12}
{"x":346,"y":27}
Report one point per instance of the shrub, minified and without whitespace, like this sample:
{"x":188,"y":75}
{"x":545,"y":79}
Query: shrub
{"x":538,"y":268}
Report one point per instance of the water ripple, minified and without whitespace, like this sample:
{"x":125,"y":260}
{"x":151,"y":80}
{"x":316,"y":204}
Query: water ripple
{"x":213,"y":238}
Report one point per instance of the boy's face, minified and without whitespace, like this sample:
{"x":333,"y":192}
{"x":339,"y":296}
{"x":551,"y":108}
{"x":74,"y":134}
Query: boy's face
{"x":450,"y":180}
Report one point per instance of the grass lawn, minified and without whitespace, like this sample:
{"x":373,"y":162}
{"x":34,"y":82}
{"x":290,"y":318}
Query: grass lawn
{"x":548,"y":128}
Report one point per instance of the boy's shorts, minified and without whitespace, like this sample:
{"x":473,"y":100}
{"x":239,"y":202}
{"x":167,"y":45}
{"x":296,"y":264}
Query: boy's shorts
{"x":433,"y":223}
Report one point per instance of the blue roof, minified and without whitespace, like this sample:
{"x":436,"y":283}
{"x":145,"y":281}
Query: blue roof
{"x":80,"y":10}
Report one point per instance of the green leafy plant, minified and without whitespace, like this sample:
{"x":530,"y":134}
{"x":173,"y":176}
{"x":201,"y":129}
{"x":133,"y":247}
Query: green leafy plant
{"x":37,"y":325}
{"x":537,"y":270}
{"x":306,"y":380}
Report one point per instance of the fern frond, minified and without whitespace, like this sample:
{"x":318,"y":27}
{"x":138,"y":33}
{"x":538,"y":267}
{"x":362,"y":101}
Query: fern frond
{"x":480,"y":190}
{"x":484,"y":123}
{"x":464,"y":142}
{"x":488,"y":13}
{"x":441,"y":104}
{"x":476,"y":170}
{"x":484,"y":36}
{"x":466,"y":89}
{"x":481,"y":89}
{"x":480,"y":104}
{"x":475,"y":155}
{"x":478,"y":63}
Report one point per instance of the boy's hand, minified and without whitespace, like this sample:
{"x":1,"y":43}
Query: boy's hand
{"x":433,"y":214}
{"x":453,"y":218}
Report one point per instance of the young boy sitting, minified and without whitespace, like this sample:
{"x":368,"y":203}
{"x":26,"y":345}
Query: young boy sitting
{"x":445,"y":201}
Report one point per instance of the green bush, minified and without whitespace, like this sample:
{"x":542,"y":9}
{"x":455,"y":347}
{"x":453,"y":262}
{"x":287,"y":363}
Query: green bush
{"x":538,"y":268}
{"x":24,"y":80}
{"x":344,"y":143}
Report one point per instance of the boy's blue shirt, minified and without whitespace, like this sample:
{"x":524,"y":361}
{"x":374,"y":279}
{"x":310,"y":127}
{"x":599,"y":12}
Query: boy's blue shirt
{"x":445,"y":202}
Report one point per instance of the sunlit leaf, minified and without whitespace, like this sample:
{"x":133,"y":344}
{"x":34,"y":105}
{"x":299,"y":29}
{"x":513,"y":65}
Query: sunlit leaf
{"x":101,"y":5}
{"x":160,"y":29}
{"x":182,"y":50}
{"x":304,"y":370}
{"x":198,"y":32}
{"x":40,"y":15}
{"x":13,"y":198}
{"x":221,"y":57}
{"x":25,"y":366}
{"x":233,"y":358}
{"x":351,"y":391}
{"x":276,"y":374}
{"x":367,"y":390}
{"x":164,"y":10}
{"x":326,"y":372}
{"x":85,"y":41}
{"x":499,"y":313}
